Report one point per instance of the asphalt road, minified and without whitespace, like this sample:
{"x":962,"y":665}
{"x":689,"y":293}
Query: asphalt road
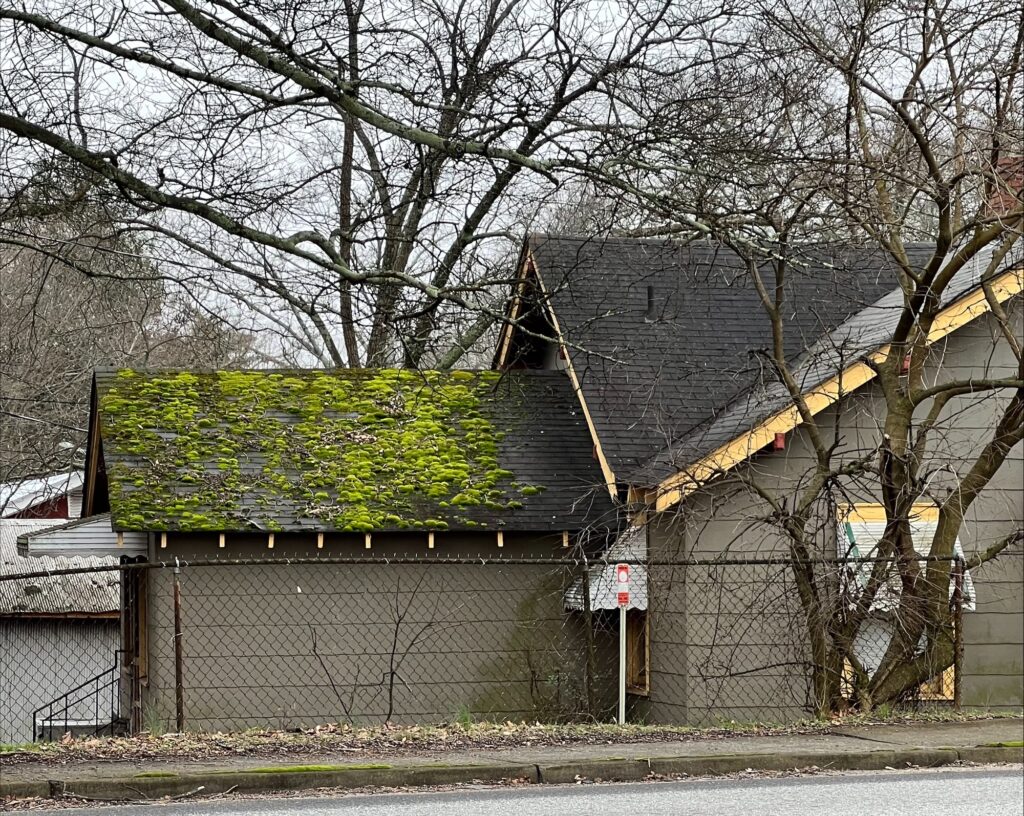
{"x":892,"y":793}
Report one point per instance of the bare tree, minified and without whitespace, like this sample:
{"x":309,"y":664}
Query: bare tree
{"x":896,"y":127}
{"x":346,"y":171}
{"x":77,"y":295}
{"x":352,"y":175}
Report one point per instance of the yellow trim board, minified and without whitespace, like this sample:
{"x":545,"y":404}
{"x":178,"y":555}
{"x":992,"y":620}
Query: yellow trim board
{"x":529,"y":263}
{"x":606,"y":468}
{"x":867,"y":513}
{"x":957,"y":314}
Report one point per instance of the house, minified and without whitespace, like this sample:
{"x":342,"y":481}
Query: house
{"x":628,"y":402}
{"x":686,"y":415}
{"x":422,"y":467}
{"x":57,"y":634}
{"x":55,"y":496}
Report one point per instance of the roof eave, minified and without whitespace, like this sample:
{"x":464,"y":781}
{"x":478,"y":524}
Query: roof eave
{"x":966,"y":308}
{"x":78,"y":538}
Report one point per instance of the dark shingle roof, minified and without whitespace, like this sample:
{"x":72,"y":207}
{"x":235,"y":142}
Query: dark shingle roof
{"x":347,"y":450}
{"x":649,"y":377}
{"x":864,"y":332}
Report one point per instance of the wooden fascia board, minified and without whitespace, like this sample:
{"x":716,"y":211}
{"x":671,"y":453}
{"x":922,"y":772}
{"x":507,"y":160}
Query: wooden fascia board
{"x":527,"y":265}
{"x":957,"y":314}
{"x":91,"y":453}
{"x":508,"y":327}
{"x":606,"y":468}
{"x":865,"y":512}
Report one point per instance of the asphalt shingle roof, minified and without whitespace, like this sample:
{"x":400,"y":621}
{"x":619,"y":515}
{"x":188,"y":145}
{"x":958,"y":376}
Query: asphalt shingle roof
{"x":348,"y":451}
{"x":650,"y":375}
{"x":864,"y":332}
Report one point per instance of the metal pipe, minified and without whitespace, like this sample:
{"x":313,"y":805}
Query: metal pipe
{"x":591,"y":661}
{"x":483,"y":561}
{"x":622,"y":665}
{"x":179,"y":669}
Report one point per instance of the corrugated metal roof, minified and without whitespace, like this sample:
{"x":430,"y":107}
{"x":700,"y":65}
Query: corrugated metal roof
{"x":82,"y":593}
{"x":18,"y":496}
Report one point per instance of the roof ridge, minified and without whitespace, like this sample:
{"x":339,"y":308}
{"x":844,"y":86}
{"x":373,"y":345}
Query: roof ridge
{"x":154,"y":370}
{"x":704,"y":239}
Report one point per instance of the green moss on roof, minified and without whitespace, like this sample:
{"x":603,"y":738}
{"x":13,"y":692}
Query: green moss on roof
{"x":352,"y":451}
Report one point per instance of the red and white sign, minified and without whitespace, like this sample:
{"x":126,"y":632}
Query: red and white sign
{"x":622,"y":579}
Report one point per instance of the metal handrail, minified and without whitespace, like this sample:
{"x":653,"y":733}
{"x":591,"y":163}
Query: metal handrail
{"x":109,"y":679}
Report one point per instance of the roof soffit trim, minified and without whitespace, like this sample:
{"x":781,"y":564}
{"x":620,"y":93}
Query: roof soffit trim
{"x":962,"y":311}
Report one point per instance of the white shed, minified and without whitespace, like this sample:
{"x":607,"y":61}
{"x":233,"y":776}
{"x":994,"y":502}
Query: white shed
{"x":56,"y":634}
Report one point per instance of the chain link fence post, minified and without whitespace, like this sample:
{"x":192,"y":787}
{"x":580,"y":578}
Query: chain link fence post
{"x":179,"y":667}
{"x":588,"y":635}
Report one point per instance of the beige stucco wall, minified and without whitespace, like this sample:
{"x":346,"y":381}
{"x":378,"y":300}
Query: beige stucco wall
{"x":482,"y":639}
{"x":697,"y":635}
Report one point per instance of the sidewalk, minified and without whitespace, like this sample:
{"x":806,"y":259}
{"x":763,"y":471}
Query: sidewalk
{"x":870,"y":747}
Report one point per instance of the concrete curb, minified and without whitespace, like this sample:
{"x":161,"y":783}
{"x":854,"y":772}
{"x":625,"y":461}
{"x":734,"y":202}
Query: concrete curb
{"x":171,"y":785}
{"x":985,"y":754}
{"x":635,"y":769}
{"x":614,"y":769}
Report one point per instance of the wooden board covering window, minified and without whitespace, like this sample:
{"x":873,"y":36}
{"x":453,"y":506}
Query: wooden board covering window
{"x":637,"y":652}
{"x":135,"y":665}
{"x":940,"y":687}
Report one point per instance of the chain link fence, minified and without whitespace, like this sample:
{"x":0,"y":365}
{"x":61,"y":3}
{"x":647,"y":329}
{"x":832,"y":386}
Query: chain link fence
{"x":51,"y":671}
{"x":293,"y":643}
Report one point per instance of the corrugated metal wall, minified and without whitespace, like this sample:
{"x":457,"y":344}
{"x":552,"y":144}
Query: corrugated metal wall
{"x":43,"y":659}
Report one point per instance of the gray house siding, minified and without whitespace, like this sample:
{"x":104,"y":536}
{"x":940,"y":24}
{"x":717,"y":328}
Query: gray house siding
{"x":666,"y":619}
{"x":483,"y":639}
{"x":724,"y":519}
{"x":41,"y":660}
{"x":994,"y":634}
{"x":722,"y":643}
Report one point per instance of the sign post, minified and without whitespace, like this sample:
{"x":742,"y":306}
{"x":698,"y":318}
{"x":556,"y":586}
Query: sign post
{"x":622,"y":581}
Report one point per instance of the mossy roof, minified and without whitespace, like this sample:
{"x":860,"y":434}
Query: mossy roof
{"x":346,"y":450}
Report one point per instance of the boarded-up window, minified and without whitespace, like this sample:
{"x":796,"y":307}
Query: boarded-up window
{"x":939,"y":687}
{"x":861,"y":527}
{"x":637,"y":652}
